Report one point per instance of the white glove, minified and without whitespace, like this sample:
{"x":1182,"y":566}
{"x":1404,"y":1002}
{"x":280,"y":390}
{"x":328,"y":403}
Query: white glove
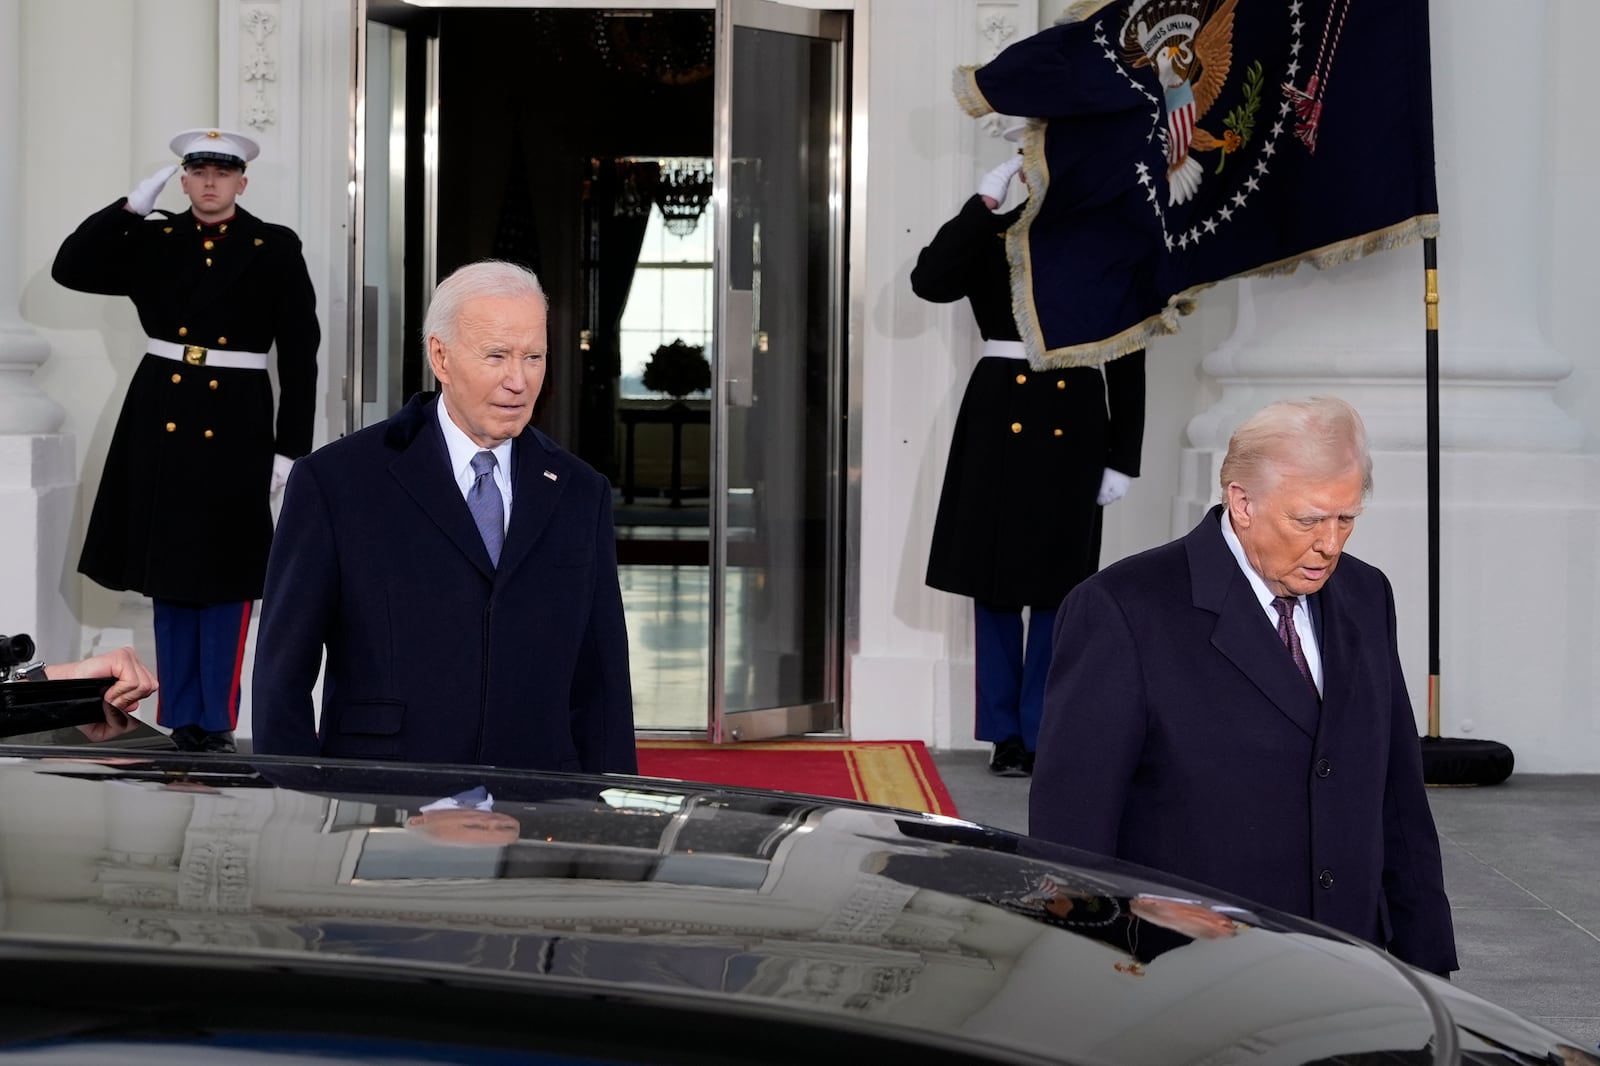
{"x":1113,"y":486}
{"x":281,"y":465}
{"x":142,"y":200}
{"x":994,"y":184}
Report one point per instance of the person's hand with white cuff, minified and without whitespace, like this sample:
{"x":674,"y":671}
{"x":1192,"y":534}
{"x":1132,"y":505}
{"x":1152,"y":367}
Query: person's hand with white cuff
{"x":994,"y":184}
{"x":142,"y":200}
{"x":1113,"y":486}
{"x":281,"y":465}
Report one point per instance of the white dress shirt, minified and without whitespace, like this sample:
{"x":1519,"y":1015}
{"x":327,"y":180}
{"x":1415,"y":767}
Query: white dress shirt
{"x":462,"y":448}
{"x":1302,"y":615}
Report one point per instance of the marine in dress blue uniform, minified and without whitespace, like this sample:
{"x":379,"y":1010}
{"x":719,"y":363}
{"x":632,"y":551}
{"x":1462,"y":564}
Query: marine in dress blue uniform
{"x":183,"y":513}
{"x":1033,"y":456}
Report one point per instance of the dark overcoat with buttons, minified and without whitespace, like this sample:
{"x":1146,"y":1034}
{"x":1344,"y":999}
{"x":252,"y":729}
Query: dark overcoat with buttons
{"x":183,"y":509}
{"x":1017,"y":524}
{"x":434,"y":654}
{"x":1178,"y":734}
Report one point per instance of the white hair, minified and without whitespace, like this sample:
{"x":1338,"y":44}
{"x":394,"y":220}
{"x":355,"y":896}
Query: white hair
{"x":487,"y":277}
{"x":1322,"y":436}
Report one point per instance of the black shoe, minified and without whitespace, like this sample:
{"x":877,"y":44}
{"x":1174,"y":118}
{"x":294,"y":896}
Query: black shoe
{"x":1008,"y":759}
{"x":1027,"y":764}
{"x":193,"y":738}
{"x":221,"y":742}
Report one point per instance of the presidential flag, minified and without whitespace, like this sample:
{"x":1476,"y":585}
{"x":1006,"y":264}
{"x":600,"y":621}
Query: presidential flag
{"x":1173,"y":144}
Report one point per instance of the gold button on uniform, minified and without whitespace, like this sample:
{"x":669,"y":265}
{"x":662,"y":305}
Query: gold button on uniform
{"x":1060,"y":384}
{"x":183,"y":331}
{"x":209,"y":434}
{"x":222,"y":340}
{"x":222,"y":228}
{"x":213,"y":384}
{"x":209,"y":245}
{"x":1058,"y":433}
{"x":172,"y":427}
{"x":208,"y":260}
{"x":1016,"y":427}
{"x":177,"y":378}
{"x":1022,"y":379}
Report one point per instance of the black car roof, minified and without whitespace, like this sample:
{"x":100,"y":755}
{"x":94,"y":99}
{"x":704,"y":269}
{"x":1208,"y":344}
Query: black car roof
{"x":830,"y":912}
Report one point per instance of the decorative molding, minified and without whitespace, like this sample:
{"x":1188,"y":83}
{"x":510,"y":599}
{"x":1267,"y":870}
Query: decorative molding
{"x":259,"y":67}
{"x":998,"y":29}
{"x":997,"y":24}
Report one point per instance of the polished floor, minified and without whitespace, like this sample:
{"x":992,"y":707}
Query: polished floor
{"x":1522,"y":868}
{"x":669,"y":618}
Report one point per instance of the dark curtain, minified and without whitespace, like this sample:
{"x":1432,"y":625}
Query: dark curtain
{"x":623,"y":193}
{"x":516,"y":240}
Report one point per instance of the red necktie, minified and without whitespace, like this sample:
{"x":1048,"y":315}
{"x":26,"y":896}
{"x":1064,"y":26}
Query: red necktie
{"x":1291,"y":639}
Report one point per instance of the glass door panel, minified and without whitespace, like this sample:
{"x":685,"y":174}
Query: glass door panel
{"x":392,"y":181}
{"x":775,"y":412}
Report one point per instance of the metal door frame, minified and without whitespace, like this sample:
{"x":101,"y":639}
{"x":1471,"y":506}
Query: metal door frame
{"x":847,"y":327}
{"x":732,"y":315}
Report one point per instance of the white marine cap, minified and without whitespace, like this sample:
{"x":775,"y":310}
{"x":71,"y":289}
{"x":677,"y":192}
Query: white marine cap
{"x":215,"y":146}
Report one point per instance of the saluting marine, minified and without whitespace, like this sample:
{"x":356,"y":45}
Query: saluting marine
{"x":1033,"y":458}
{"x":183,"y":510}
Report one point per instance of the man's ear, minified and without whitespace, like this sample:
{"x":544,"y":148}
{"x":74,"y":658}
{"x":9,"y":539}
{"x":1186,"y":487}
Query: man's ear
{"x":1238,"y":505}
{"x":244,"y":183}
{"x":436,"y":359}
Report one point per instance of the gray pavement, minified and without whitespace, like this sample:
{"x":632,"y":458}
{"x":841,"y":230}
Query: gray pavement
{"x":1521,"y":866}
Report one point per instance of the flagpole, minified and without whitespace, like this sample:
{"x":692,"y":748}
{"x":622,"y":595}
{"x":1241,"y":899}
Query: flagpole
{"x":1445,"y":761}
{"x":1430,"y":265}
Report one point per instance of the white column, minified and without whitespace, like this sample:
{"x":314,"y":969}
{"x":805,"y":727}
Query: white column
{"x":24,"y":408}
{"x":37,"y":479}
{"x":1521,"y":504}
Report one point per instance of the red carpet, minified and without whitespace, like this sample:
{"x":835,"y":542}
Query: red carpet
{"x":895,"y":773}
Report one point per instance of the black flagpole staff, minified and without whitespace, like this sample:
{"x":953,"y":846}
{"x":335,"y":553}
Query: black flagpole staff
{"x":1446,"y":760}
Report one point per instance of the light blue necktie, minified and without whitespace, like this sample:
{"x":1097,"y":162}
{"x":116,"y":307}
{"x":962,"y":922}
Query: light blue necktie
{"x":488,"y":507}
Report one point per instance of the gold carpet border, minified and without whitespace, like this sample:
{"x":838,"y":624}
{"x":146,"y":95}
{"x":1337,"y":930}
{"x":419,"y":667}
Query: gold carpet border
{"x":882,"y":772}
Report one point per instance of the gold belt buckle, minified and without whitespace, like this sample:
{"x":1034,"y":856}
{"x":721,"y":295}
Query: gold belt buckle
{"x":194,"y":355}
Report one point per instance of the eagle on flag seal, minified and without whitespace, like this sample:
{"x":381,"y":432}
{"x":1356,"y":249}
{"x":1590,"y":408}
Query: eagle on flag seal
{"x":1190,"y":43}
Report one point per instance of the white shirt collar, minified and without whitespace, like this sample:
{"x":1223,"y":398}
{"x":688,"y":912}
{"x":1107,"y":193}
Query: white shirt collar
{"x":462,"y":448}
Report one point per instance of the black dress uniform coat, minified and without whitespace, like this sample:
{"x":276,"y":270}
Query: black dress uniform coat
{"x":183,"y":507}
{"x":1018,"y":525}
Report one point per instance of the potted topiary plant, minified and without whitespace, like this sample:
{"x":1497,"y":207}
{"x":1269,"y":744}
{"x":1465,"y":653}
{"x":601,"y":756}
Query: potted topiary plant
{"x":678,"y":369}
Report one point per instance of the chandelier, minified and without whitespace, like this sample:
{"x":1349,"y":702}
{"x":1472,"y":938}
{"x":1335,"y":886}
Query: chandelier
{"x":635,"y":187}
{"x":683,"y":193}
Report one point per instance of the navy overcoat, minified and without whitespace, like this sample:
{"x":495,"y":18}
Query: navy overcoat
{"x":433,"y":654}
{"x":1178,"y":735}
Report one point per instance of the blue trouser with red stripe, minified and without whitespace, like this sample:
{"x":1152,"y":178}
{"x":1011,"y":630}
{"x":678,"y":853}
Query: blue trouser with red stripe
{"x":199,"y":660}
{"x":1011,"y":671}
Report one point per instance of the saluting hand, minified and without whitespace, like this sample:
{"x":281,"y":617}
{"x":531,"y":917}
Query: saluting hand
{"x":994,"y":184}
{"x":142,"y":200}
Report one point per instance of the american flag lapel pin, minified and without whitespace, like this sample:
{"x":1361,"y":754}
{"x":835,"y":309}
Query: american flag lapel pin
{"x":551,"y":474}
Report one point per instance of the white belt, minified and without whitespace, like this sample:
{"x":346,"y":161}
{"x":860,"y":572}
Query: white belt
{"x":1004,"y":349}
{"x":195,"y":355}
